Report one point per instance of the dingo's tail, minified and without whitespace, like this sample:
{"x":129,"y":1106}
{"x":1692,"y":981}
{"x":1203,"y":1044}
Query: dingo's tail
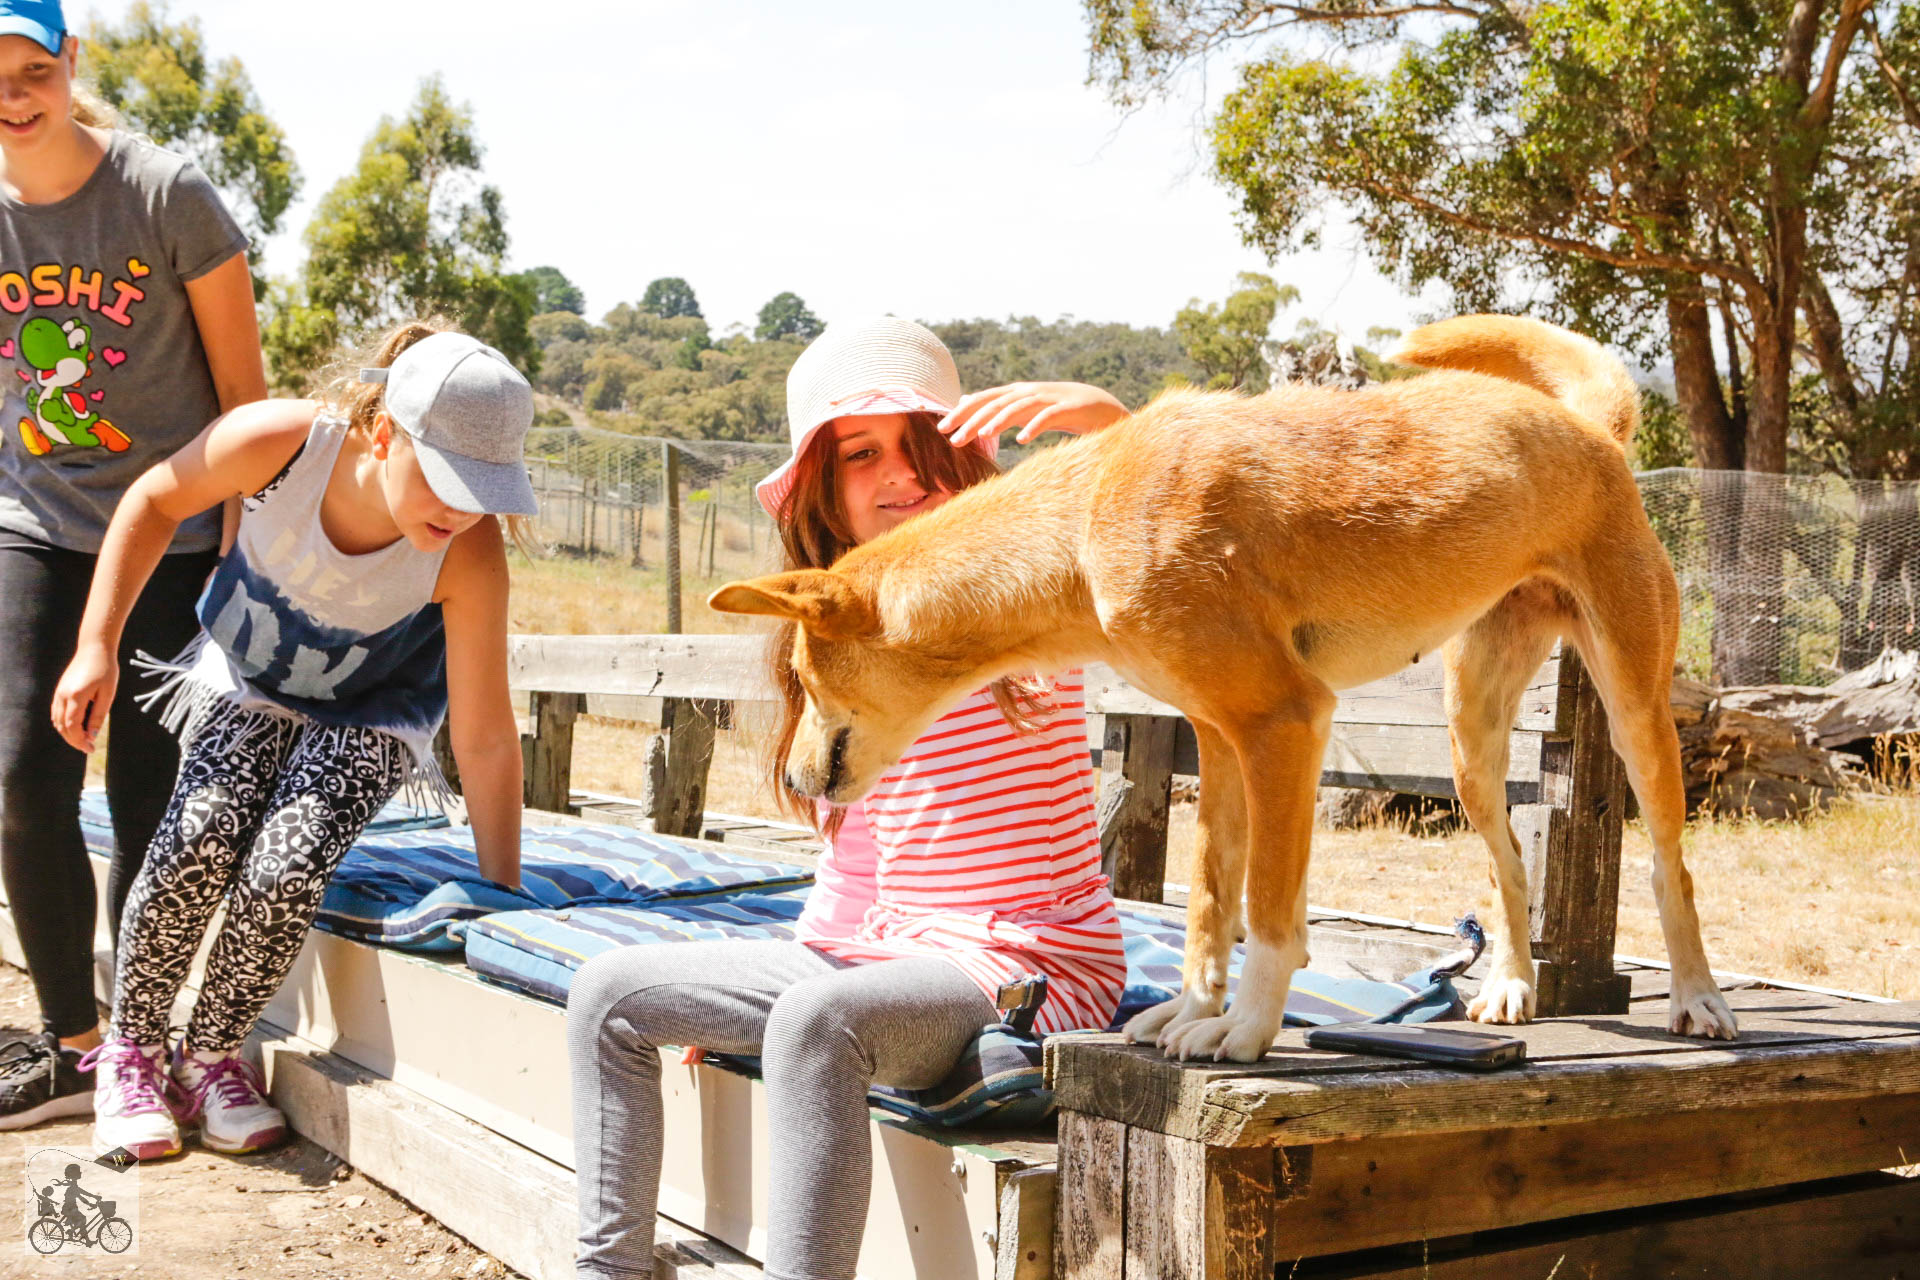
{"x":1575,"y":370}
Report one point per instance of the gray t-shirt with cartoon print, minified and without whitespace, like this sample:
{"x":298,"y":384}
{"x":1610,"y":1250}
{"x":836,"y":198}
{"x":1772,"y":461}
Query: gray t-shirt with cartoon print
{"x":99,"y":352}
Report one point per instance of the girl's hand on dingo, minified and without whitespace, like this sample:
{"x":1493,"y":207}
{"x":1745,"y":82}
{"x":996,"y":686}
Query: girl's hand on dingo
{"x":84,"y":693}
{"x":1073,"y":407}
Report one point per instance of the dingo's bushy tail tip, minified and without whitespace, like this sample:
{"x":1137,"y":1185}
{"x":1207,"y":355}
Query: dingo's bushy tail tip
{"x":1575,"y":370}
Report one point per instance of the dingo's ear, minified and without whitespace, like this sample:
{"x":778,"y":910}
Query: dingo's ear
{"x":826,"y":604}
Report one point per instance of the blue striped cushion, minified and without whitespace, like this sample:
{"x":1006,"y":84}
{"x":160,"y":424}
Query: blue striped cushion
{"x":409,"y":888}
{"x":538,"y":951}
{"x":96,"y":825}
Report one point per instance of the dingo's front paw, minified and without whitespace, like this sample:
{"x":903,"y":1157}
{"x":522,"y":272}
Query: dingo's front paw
{"x":1703,"y":1013}
{"x":1152,"y":1026}
{"x":1144,"y":1027}
{"x":1503,"y":1000}
{"x":1223,"y":1039}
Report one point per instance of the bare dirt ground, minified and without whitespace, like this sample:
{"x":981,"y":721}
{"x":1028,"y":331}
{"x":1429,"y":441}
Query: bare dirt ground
{"x":294,"y":1213}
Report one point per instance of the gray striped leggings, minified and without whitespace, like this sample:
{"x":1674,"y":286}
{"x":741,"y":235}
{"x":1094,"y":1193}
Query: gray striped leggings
{"x":824,"y":1031}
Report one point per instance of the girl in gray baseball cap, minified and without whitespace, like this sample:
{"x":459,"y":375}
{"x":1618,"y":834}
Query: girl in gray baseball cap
{"x":364,"y":599}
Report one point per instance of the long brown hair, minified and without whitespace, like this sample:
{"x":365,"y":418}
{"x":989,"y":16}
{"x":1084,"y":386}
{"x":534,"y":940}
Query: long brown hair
{"x":815,"y":532}
{"x":339,"y":388}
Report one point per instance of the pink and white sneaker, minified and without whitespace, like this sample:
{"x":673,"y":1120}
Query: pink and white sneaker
{"x":225,"y":1095}
{"x":133,"y":1099}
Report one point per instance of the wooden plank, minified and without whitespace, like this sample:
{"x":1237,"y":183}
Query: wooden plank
{"x":1089,"y":1241}
{"x":547,"y":752}
{"x":1865,"y":1228}
{"x":1411,"y":758}
{"x":731,"y":667}
{"x":1572,"y":853}
{"x":1418,"y":760}
{"x":1411,"y":696}
{"x":391,"y":1134}
{"x":1369,"y":1193}
{"x":1103,"y":1075}
{"x":1023,"y":1236}
{"x":1198,"y":1211}
{"x":1305,"y":1109}
{"x":1136,"y":772}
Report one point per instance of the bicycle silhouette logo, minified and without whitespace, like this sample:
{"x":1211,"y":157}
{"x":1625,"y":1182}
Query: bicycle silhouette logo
{"x":75,"y":1203}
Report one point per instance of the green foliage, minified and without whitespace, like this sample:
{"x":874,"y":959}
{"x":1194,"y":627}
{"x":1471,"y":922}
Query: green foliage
{"x":786,"y":316}
{"x":648,"y":374}
{"x":1596,"y":162}
{"x":297,"y":339}
{"x":159,"y":76}
{"x":552,"y":291}
{"x":411,"y":231}
{"x":1133,"y":364}
{"x":671,"y":298}
{"x":1225,"y":339}
{"x":1662,"y":439}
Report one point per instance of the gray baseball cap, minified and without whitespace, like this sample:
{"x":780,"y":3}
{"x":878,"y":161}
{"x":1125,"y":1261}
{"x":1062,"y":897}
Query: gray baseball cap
{"x":467,"y":410}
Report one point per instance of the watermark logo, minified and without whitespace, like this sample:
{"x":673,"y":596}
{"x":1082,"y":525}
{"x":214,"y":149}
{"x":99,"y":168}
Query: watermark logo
{"x":77,"y":1203}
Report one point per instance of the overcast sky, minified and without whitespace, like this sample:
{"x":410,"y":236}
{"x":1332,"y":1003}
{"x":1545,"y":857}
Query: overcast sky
{"x":934,"y":160}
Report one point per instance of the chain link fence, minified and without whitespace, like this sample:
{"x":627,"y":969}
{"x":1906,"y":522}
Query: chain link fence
{"x":1791,"y":579}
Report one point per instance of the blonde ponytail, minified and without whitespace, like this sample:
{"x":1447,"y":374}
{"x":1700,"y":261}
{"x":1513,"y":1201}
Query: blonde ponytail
{"x":89,"y":108}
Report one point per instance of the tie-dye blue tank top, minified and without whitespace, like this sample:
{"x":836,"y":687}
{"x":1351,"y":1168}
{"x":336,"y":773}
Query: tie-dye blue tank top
{"x":295,"y":626}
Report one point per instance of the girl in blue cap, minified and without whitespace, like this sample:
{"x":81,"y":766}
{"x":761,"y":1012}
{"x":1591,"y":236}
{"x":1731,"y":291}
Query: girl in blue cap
{"x":126,"y":324}
{"x":365,"y":592}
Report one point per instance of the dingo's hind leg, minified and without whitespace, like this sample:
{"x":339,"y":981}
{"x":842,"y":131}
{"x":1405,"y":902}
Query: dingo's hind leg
{"x":1488,"y":666}
{"x":1627,"y":630}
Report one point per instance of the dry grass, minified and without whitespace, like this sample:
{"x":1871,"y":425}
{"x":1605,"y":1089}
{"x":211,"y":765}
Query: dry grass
{"x":576,"y":595}
{"x":1834,"y":901}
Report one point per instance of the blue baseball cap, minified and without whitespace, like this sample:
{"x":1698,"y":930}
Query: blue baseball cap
{"x":39,"y":20}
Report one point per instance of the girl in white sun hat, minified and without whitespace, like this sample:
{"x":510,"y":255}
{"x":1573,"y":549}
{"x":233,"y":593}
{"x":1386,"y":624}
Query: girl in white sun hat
{"x":975,"y":863}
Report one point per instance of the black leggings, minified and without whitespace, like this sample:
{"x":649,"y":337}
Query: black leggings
{"x":43,"y":862}
{"x":265,"y":809}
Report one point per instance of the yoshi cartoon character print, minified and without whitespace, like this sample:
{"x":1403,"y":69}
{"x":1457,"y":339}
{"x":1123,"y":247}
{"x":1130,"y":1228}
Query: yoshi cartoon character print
{"x":59,"y":357}
{"x":100,"y":355}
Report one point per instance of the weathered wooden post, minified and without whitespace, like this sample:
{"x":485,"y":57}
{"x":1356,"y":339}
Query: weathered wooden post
{"x":1571,"y":844}
{"x":546,"y":754}
{"x":670,"y":457}
{"x":678,"y":759}
{"x":1136,"y":781}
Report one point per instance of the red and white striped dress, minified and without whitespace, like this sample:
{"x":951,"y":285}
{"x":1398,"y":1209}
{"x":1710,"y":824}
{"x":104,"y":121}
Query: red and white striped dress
{"x":986,"y":853}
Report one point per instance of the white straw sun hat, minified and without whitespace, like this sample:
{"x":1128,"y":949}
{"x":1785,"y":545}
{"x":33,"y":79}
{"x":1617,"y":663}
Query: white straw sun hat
{"x":885,"y":365}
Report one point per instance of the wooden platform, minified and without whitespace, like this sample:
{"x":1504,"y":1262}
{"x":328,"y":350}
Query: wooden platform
{"x":1230,"y":1170}
{"x":399,"y":1062}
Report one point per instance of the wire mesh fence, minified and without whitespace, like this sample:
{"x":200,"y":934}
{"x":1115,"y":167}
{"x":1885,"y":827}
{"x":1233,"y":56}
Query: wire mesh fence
{"x":1791,"y":579}
{"x":1788,"y":579}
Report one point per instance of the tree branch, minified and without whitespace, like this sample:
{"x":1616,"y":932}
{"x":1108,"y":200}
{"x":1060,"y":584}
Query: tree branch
{"x":1908,"y":108}
{"x":1829,"y":348}
{"x":1683,"y":263}
{"x":1818,"y":108}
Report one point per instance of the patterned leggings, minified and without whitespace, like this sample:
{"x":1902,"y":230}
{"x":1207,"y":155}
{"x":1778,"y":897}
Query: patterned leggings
{"x":264,"y":809}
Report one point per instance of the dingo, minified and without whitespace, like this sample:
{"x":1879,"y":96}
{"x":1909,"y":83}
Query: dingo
{"x":1242,"y":558}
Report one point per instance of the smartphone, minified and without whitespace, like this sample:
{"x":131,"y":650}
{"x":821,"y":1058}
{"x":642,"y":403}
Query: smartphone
{"x":1474,"y":1050}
